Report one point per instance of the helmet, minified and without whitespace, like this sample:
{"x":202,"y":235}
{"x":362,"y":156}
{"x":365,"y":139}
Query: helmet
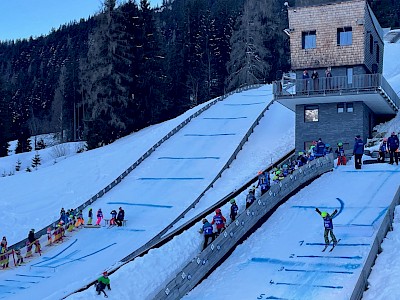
{"x":218,"y":211}
{"x":105,"y":273}
{"x":285,"y":166}
{"x":393,"y":133}
{"x":385,"y":139}
{"x":233,"y":200}
{"x":324,"y":214}
{"x":327,"y":145}
{"x":259,"y":172}
{"x":301,"y":152}
{"x":340,"y":144}
{"x":204,"y":220}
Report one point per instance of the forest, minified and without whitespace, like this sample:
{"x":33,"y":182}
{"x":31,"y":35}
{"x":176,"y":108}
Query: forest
{"x":131,"y":66}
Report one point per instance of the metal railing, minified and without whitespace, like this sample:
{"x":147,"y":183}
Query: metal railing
{"x":289,"y":87}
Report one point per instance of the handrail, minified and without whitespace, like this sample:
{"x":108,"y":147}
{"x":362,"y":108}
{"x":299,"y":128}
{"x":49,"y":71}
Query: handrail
{"x":289,"y":87}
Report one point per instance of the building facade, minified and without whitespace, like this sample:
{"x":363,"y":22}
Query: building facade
{"x":342,"y":43}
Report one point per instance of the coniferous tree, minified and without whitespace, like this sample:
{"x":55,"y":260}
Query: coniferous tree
{"x":249,"y":58}
{"x":36,"y":161}
{"x":4,"y":122}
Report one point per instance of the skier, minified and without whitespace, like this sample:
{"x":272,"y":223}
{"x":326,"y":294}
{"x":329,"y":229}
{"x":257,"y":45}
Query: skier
{"x":234,"y":209}
{"x":250,"y":198}
{"x":383,"y":148}
{"x":328,"y":224}
{"x":263,"y":182}
{"x":207,"y":230}
{"x":102,"y":283}
{"x":90,"y":216}
{"x":358,"y":151}
{"x":99,"y":217}
{"x":120,"y":217}
{"x":219,"y":221}
{"x":341,"y":156}
{"x":113,"y":217}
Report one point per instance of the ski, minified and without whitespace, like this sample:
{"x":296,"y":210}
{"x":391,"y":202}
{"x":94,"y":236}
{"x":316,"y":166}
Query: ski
{"x":326,"y":246}
{"x":334,"y":245}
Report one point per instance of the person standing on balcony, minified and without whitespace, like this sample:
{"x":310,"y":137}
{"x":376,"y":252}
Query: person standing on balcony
{"x":314,"y":77}
{"x":358,"y":151}
{"x":393,"y":146}
{"x":306,"y":77}
{"x":328,"y":76}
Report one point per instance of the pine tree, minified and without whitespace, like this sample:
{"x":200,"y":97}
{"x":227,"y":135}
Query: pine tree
{"x":18,"y":165}
{"x":36,"y":161}
{"x":4,"y":122}
{"x":249,"y":58}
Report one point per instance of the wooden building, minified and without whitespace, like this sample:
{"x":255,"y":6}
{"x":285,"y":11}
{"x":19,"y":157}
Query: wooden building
{"x":342,"y":42}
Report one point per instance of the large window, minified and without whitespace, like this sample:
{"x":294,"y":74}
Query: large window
{"x":309,"y":39}
{"x":344,"y":36}
{"x":311,"y":113}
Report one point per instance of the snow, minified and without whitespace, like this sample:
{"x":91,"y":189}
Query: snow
{"x":33,"y":200}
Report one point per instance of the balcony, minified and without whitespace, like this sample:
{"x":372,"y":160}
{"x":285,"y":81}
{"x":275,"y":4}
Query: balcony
{"x":372,"y":89}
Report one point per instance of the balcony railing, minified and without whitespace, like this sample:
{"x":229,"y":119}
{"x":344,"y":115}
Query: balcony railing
{"x":289,"y":87}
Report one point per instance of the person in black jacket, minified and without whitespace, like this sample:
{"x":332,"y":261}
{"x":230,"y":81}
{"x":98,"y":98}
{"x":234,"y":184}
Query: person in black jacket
{"x":120,"y":217}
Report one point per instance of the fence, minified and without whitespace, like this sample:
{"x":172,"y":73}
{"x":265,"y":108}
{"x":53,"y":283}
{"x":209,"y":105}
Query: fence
{"x":337,"y":85}
{"x":208,"y":259}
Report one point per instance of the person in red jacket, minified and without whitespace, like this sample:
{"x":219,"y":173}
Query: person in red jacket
{"x":219,"y":221}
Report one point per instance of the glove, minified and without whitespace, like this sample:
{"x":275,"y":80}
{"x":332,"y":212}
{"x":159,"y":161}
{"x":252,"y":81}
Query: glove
{"x":335,"y":211}
{"x":109,"y":287}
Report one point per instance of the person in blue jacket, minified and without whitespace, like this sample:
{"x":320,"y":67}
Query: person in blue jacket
{"x":393,"y":146}
{"x":320,"y":148}
{"x":208,"y":232}
{"x":358,"y":151}
{"x":383,"y":148}
{"x":234,"y":209}
{"x":328,"y":225}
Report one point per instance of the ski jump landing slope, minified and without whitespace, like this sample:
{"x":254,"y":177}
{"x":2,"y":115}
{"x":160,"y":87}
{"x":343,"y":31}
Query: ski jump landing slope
{"x":153,"y":195}
{"x":284,"y":258}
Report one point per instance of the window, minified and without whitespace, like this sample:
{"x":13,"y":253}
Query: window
{"x":309,"y":39}
{"x":344,"y":36}
{"x":311,"y":113}
{"x":371,"y":44}
{"x":377,"y":53}
{"x":349,"y":107}
{"x":340,"y":108}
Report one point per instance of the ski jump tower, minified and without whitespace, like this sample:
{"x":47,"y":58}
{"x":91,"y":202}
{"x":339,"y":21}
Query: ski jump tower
{"x":341,"y":38}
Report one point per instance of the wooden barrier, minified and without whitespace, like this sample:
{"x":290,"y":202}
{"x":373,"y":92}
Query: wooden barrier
{"x":212,"y":256}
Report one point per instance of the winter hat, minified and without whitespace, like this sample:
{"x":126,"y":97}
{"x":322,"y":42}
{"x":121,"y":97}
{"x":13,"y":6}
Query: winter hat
{"x":324,"y":214}
{"x":232,"y":200}
{"x":105,"y":273}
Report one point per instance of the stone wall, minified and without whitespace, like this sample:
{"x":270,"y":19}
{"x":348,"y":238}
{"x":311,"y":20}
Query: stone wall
{"x":332,"y":126}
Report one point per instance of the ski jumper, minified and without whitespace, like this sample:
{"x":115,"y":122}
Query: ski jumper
{"x":328,"y":225}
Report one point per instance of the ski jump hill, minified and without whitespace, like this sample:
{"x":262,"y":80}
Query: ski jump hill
{"x":190,"y":159}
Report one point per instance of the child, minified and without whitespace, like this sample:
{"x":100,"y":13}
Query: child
{"x":219,"y":221}
{"x":102,"y":283}
{"x":250,"y":198}
{"x":49,"y":238}
{"x":234,"y":209}
{"x":90,"y":216}
{"x":341,"y":156}
{"x":20,"y":259}
{"x":383,"y":148}
{"x":207,"y":230}
{"x":113,"y":217}
{"x":99,"y":217}
{"x":328,"y":225}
